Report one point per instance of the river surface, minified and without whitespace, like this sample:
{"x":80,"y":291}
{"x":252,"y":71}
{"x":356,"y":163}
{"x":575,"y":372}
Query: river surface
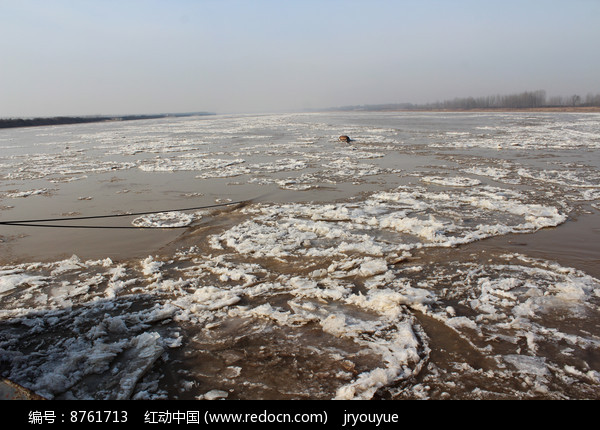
{"x":435,"y":256}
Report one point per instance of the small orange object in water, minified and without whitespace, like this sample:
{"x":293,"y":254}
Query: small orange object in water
{"x":344,"y":139}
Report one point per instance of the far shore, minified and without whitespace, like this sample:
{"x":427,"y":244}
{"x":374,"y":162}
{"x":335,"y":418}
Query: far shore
{"x":582,"y":109}
{"x":66,"y":120}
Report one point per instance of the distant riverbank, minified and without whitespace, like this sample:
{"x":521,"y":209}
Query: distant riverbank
{"x":580,"y":109}
{"x":62,"y":120}
{"x":528,"y":101}
{"x":558,"y":109}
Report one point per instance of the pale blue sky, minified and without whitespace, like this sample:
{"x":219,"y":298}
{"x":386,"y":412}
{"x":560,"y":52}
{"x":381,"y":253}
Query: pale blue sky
{"x":81,"y":57}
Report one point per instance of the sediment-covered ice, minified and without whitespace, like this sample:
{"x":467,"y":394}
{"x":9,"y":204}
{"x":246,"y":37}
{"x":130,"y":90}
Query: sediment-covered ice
{"x":510,"y":311}
{"x":105,"y":339}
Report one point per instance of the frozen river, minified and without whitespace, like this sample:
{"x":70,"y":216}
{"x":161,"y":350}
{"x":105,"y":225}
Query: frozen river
{"x":436,"y":255}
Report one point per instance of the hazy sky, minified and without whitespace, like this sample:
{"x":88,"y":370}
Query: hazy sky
{"x":80,"y":57}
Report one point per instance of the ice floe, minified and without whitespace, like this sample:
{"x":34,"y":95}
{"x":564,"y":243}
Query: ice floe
{"x":165,"y":220}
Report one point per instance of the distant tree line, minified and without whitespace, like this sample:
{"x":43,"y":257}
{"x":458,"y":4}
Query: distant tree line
{"x":524,"y":100}
{"x":534,"y":99}
{"x":576,"y":100}
{"x":61,"y":120}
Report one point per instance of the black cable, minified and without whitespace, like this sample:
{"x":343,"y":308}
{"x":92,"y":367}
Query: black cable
{"x":91,"y":226}
{"x":35,"y":222}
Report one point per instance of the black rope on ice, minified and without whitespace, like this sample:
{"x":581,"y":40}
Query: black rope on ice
{"x":36,"y":222}
{"x":91,"y":226}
